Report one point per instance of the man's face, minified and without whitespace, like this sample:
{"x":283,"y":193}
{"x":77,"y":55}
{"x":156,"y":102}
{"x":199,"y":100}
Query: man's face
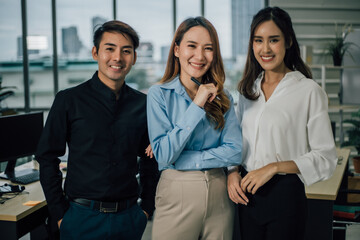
{"x":115,"y":57}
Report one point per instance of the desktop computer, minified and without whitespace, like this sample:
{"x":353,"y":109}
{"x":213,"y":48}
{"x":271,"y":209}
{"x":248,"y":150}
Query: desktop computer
{"x":19,"y":137}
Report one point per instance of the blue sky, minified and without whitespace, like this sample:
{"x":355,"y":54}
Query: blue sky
{"x":152,"y":19}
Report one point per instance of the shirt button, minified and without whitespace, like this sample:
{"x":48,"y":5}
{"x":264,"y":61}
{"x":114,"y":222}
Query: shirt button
{"x":188,"y":128}
{"x":197,"y":165}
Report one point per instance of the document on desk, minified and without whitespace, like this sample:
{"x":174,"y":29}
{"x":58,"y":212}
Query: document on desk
{"x":31,"y":203}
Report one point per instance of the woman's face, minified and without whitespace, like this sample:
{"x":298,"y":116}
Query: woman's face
{"x":269,"y":47}
{"x":195,"y":53}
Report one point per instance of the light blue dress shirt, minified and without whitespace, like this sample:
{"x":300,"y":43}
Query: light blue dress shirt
{"x":183,"y":138}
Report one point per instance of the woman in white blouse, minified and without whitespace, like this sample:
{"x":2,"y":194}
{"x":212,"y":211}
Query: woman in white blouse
{"x":287,"y":137}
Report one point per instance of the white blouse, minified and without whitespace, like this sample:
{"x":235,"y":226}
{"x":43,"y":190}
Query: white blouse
{"x":292,"y":125}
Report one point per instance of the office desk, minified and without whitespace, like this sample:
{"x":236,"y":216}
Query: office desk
{"x":321,"y":197}
{"x":16,"y":219}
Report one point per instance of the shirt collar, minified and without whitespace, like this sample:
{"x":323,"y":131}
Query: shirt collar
{"x":289,"y":78}
{"x":175,"y":85}
{"x":98,"y":86}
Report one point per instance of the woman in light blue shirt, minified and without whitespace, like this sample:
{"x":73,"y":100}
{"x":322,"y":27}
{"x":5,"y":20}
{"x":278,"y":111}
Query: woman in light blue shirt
{"x":194,"y":134}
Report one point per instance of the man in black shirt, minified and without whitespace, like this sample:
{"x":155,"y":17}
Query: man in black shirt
{"x":103,"y":122}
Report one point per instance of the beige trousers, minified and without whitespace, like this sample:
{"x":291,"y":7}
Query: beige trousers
{"x":192,"y":205}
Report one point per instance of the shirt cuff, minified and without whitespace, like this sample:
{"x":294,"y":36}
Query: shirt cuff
{"x":232,"y":169}
{"x":148,"y":206}
{"x":58,"y":211}
{"x":183,"y":163}
{"x":307,"y":174}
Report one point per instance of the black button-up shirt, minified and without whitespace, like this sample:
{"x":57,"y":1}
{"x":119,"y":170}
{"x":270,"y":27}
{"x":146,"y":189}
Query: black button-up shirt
{"x":104,"y":136}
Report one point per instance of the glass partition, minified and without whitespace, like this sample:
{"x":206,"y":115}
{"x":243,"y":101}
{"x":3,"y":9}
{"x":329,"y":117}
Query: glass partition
{"x":219,"y":15}
{"x":11,"y":66}
{"x":40,"y":51}
{"x":76,"y":21}
{"x":186,"y":9}
{"x":152,"y":20}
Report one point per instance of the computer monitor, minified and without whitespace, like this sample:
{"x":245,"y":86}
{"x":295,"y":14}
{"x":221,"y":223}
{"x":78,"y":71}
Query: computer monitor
{"x":19,"y":136}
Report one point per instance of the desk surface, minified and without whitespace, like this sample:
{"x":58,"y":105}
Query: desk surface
{"x":14,"y":210}
{"x":343,"y":107}
{"x":328,"y":189}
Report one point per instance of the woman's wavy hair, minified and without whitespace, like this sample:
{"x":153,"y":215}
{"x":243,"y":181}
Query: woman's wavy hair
{"x":292,"y":57}
{"x":217,"y":108}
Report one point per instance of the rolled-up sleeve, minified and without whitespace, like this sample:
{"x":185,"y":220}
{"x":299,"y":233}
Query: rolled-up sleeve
{"x":320,"y":163}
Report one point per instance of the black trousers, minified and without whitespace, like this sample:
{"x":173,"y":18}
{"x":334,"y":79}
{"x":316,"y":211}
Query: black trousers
{"x":278,"y":210}
{"x":83,"y":223}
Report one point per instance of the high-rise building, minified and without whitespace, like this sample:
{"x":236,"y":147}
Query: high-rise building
{"x":97,"y":21}
{"x":164,"y":53}
{"x":145,"y":52}
{"x":71,"y":44}
{"x":34,"y":45}
{"x":242,"y":12}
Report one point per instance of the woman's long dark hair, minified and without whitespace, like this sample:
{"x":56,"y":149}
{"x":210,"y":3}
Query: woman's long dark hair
{"x":217,"y":108}
{"x":292,"y":57}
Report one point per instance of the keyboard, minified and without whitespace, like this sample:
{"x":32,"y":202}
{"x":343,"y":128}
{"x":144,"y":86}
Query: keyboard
{"x":27,"y":178}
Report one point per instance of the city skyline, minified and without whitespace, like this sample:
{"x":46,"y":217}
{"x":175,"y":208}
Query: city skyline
{"x":241,"y":18}
{"x":152,"y":21}
{"x":72,"y":46}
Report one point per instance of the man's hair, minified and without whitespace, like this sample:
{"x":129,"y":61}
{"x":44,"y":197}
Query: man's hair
{"x":115,"y":26}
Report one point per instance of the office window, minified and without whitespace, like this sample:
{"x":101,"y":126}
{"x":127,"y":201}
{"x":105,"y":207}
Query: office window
{"x":76,"y":21}
{"x":232,"y":19}
{"x":152,"y":20}
{"x":218,"y":15}
{"x":40,"y":53}
{"x":186,"y":9}
{"x":11,"y":67}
